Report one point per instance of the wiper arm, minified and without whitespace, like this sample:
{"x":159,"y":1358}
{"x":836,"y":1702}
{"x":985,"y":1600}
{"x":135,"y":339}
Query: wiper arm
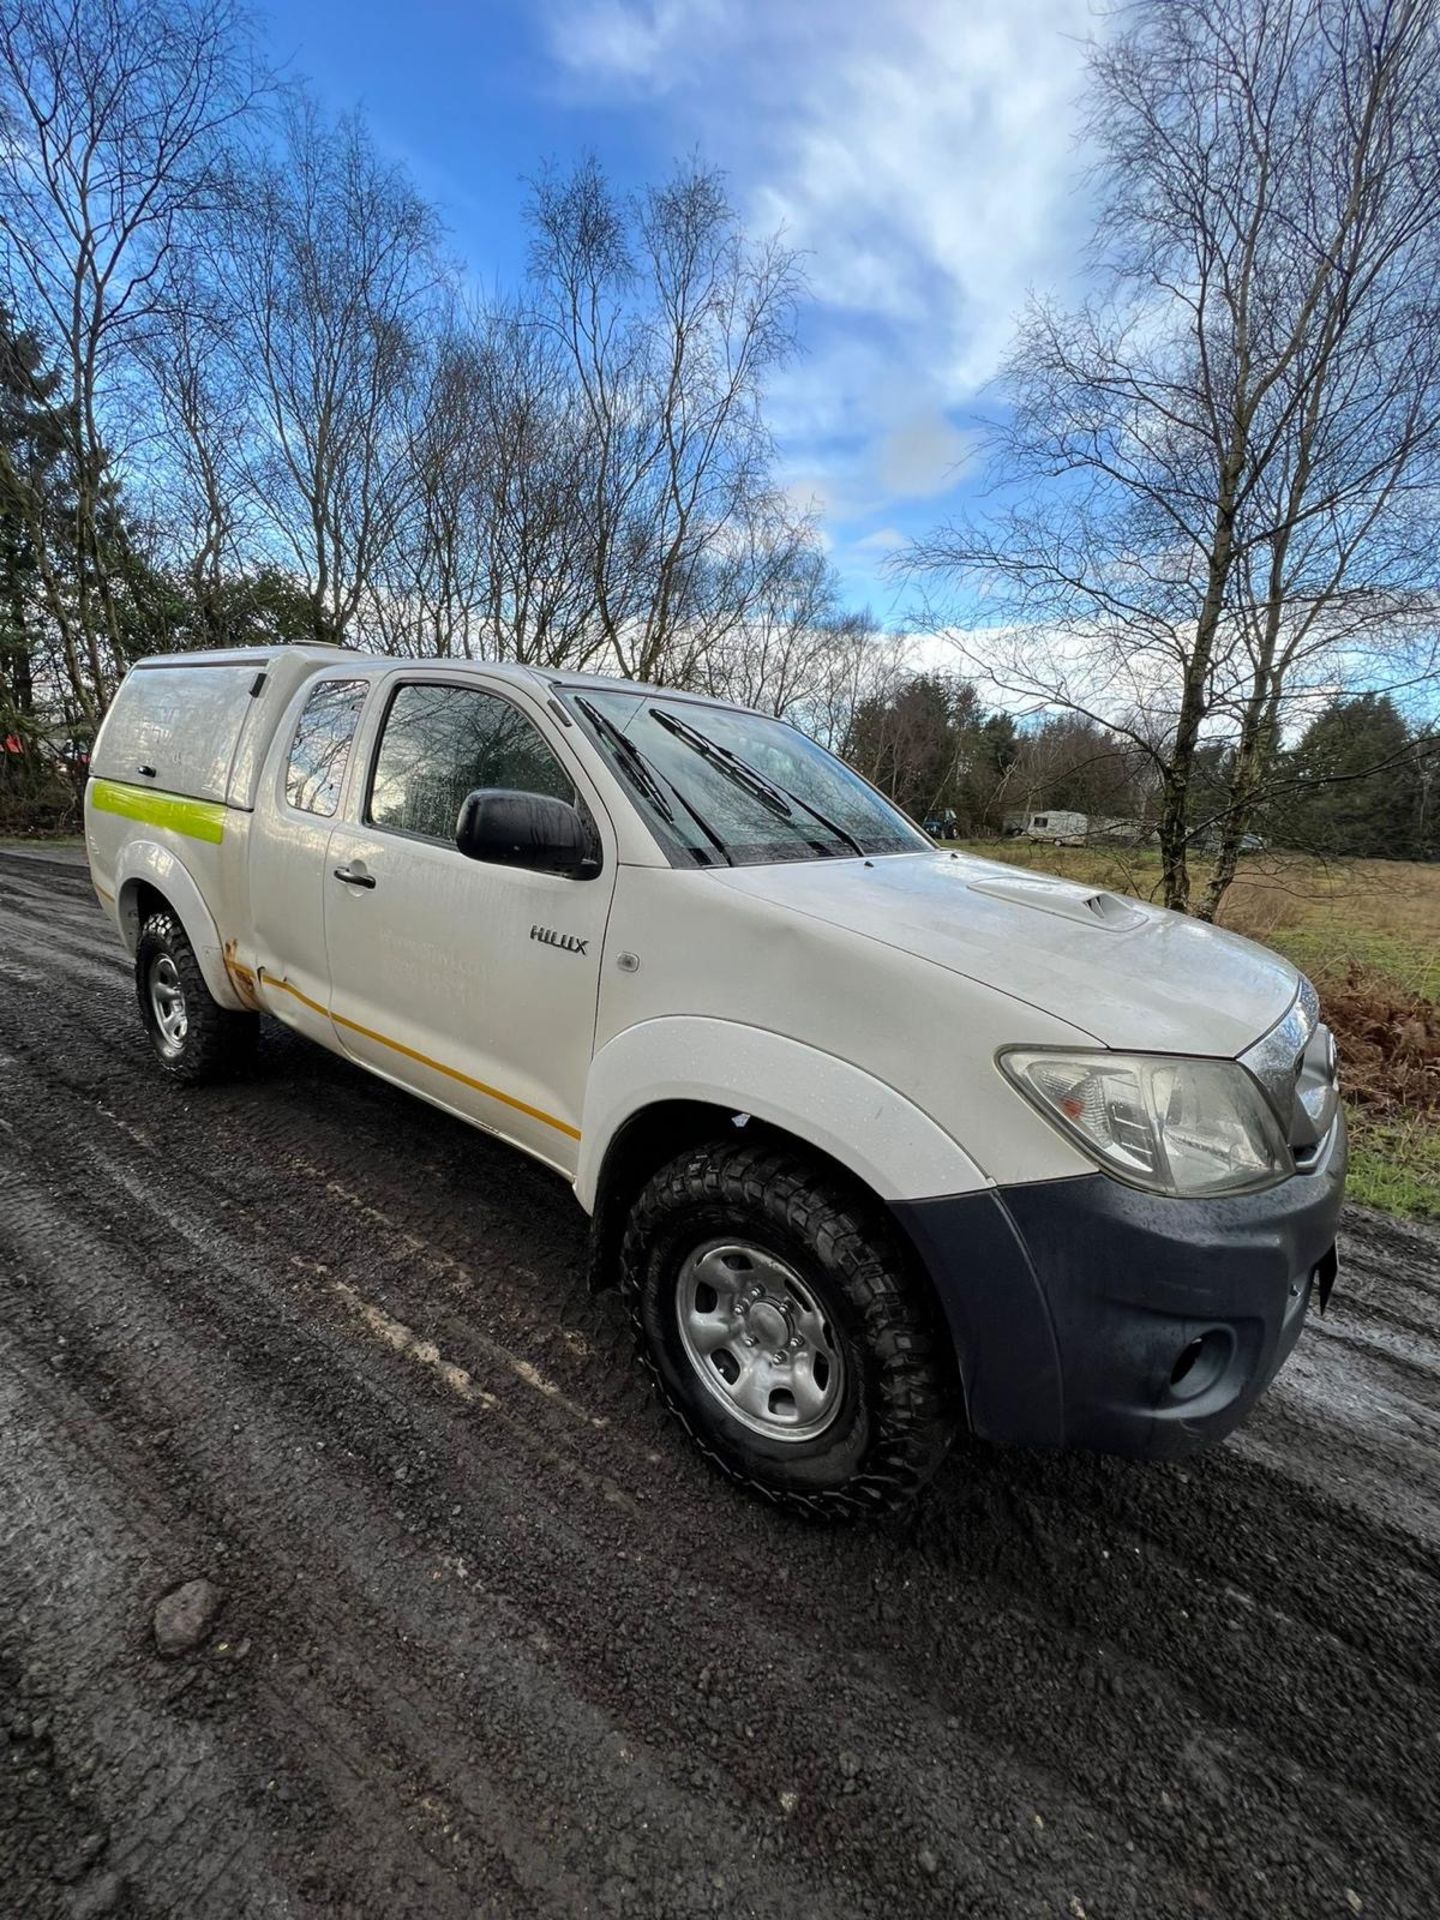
{"x":740,"y":771}
{"x":831,"y":826}
{"x":642,"y":775}
{"x":771,"y":793}
{"x":631,"y":758}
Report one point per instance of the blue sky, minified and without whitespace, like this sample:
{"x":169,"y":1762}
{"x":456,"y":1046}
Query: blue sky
{"x":921,"y":153}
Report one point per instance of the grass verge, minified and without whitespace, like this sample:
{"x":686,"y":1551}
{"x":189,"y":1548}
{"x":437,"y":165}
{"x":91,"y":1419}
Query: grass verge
{"x":1395,"y":1165}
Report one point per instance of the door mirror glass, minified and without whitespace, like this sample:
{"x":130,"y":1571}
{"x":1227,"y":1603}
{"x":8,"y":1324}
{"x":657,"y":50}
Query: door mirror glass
{"x":529,"y":830}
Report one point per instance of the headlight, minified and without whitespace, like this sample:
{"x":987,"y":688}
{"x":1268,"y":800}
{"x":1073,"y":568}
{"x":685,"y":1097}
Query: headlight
{"x":1173,"y":1125}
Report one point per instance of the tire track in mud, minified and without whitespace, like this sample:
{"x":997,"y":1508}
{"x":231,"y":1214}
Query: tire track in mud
{"x":1061,"y":1685}
{"x":176,"y":1365}
{"x":185,"y":1832}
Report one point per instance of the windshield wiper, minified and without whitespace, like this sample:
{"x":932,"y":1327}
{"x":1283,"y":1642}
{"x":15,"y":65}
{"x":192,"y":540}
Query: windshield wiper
{"x":769,"y":793}
{"x":642,"y":775}
{"x":740,"y":771}
{"x":634,"y":762}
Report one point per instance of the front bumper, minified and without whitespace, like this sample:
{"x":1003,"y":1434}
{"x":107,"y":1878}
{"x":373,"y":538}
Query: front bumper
{"x":1088,"y":1314}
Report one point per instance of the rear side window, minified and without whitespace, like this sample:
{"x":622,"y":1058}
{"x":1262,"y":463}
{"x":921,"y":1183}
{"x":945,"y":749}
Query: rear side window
{"x":441,"y":743}
{"x":321,"y":747}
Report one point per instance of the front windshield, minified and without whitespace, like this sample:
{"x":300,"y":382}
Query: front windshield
{"x":722,"y":787}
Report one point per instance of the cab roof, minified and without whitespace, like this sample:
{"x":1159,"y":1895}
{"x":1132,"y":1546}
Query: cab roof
{"x":326,"y":655}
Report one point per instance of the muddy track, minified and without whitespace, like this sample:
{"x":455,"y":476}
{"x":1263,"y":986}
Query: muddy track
{"x":495,"y":1643}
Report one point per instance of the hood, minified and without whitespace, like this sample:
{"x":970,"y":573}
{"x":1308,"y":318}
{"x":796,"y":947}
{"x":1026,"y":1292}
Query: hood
{"x":1132,"y":976}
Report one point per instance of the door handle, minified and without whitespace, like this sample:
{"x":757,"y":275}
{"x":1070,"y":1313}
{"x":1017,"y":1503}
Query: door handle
{"x":353,"y":879}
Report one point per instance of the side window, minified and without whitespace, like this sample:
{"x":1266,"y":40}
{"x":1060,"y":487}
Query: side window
{"x":321,"y":747}
{"x":440,"y":743}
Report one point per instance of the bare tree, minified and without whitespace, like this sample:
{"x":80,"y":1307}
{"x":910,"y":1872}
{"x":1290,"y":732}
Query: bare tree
{"x":669,"y":321}
{"x":861,"y":664}
{"x":1225,"y":462}
{"x":113,"y":114}
{"x":433,"y":593}
{"x":781,"y":657}
{"x":590,"y":475}
{"x":196,"y":471}
{"x":497,"y":548}
{"x":266,"y":368}
{"x":330,"y":260}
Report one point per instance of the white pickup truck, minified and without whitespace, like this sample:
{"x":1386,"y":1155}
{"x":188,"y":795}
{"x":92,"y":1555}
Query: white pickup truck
{"x":879,"y":1141}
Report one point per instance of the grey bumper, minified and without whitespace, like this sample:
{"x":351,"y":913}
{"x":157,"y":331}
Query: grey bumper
{"x":1088,"y":1314}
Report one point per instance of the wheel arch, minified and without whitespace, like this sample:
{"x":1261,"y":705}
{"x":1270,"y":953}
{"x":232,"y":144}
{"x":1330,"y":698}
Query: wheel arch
{"x":822,"y":1102}
{"x":150,"y":878}
{"x":862,"y":1133}
{"x":656,"y":1134}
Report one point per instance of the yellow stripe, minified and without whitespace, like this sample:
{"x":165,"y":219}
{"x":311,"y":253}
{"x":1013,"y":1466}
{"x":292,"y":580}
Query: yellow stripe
{"x":199,"y":819}
{"x":435,"y":1066}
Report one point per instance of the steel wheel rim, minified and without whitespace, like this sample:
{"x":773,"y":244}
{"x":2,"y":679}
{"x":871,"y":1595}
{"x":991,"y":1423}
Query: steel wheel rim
{"x":167,"y":1003}
{"x":758,"y":1340}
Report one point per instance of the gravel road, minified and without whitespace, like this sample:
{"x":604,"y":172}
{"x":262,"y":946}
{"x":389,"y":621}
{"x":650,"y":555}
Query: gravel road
{"x":493,"y":1642}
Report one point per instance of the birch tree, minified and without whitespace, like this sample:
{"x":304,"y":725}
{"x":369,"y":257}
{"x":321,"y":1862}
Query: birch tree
{"x":1223,"y":467}
{"x":495,"y":553}
{"x":329,"y":261}
{"x":114,"y":116}
{"x":669,"y":320}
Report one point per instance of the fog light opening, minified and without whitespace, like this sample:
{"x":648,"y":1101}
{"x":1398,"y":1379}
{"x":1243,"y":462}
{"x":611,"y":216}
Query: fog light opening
{"x":1200,"y":1363}
{"x":1185,"y":1365}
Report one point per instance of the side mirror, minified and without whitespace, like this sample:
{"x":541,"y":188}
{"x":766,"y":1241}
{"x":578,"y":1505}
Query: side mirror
{"x":529,"y":830}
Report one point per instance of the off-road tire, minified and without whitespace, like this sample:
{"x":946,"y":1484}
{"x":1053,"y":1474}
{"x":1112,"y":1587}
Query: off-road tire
{"x":898,"y":1410}
{"x":218,"y":1042}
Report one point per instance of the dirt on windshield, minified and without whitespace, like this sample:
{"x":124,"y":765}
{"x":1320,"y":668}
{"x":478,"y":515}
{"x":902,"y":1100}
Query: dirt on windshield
{"x":490,"y":1638}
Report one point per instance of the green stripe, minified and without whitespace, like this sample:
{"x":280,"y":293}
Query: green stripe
{"x":200,"y":819}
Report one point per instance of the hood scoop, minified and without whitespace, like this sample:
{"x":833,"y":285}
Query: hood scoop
{"x":1061,"y":897}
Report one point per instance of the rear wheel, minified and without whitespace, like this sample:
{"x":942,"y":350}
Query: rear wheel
{"x":194,"y":1037}
{"x":783,"y":1328}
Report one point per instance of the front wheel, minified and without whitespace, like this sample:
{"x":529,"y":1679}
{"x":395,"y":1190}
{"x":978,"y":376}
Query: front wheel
{"x":194,"y":1037}
{"x":783,"y":1328}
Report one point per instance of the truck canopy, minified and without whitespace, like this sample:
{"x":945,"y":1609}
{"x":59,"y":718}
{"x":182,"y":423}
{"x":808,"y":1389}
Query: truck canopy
{"x":185,"y":723}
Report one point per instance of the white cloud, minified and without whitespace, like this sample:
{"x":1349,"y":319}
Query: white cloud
{"x":922,"y":456}
{"x":883,"y":540}
{"x":636,"y":44}
{"x":921,"y":155}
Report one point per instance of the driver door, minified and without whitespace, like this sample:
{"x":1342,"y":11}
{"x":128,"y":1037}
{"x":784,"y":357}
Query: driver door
{"x":475,"y":985}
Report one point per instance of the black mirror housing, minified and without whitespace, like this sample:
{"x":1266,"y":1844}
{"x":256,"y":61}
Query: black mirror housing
{"x":529,"y":830}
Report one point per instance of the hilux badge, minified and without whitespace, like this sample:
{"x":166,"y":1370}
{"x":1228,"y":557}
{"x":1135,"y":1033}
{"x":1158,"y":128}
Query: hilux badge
{"x":548,"y":937}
